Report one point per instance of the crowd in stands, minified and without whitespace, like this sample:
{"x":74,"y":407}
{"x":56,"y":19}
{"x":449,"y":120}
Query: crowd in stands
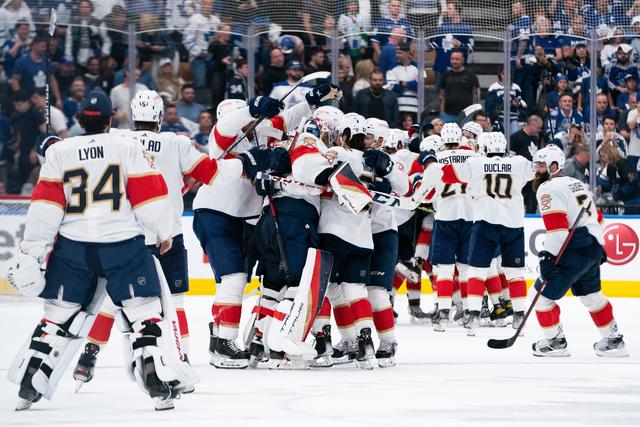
{"x":193,"y":54}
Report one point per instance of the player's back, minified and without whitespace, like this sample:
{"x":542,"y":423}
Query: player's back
{"x":496,"y":185}
{"x":453,"y":201}
{"x":94,"y":177}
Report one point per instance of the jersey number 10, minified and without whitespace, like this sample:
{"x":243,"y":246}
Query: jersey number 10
{"x":498,"y":185}
{"x":107,"y":189}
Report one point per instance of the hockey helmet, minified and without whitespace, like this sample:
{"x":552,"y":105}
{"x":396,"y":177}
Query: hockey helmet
{"x":495,"y":144}
{"x":395,"y":140}
{"x":451,"y":134}
{"x":549,"y":155}
{"x":147,"y":106}
{"x":481,"y":142}
{"x":355,"y":123}
{"x":431,"y":143}
{"x":229,"y":105}
{"x":472,"y":128}
{"x":377,"y":129}
{"x":328,"y":118}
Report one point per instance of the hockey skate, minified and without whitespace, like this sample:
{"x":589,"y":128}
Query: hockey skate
{"x":472,"y":322}
{"x":324,"y":349}
{"x":386,"y":354}
{"x":458,"y":316}
{"x":485,"y":313}
{"x":228,"y":355}
{"x":27,"y":394}
{"x":499,"y":315}
{"x":280,"y":360}
{"x":256,"y":351}
{"x":162,"y":393}
{"x":83,"y":373}
{"x":366,"y":352}
{"x":416,"y":315}
{"x":440,"y":321}
{"x":518,"y":318}
{"x":555,"y":347}
{"x":344,"y":351}
{"x":611,"y":347}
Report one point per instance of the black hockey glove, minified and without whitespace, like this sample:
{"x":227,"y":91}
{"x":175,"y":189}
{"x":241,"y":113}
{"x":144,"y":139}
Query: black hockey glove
{"x":280,"y":161}
{"x":426,"y":157}
{"x":264,"y":106}
{"x":548,"y":271}
{"x":265,"y":186}
{"x":414,"y":144}
{"x":381,"y":186}
{"x":380,"y":162}
{"x":322,"y":93}
{"x":255,"y":160}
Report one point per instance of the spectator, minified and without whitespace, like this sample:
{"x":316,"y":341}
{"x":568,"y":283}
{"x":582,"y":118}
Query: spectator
{"x":93,"y":78}
{"x":27,"y":123}
{"x":609,"y":134}
{"x":388,"y":55}
{"x":361,"y":78}
{"x":196,"y":37}
{"x":187,"y":106}
{"x":403,"y":80}
{"x":378,"y":102}
{"x":622,"y":68}
{"x":494,"y":104}
{"x":205,"y":126}
{"x":481,"y":118}
{"x":562,"y":88}
{"x":635,"y":42}
{"x":221,"y":53}
{"x":344,"y":69}
{"x":459,"y":89}
{"x":120,"y":100}
{"x":575,"y":34}
{"x":607,"y":179}
{"x":29,"y":71}
{"x":407,"y":120}
{"x":313,"y":14}
{"x":352,"y":30}
{"x":274,"y":72}
{"x":70,"y":106}
{"x":317,"y":60}
{"x":578,"y":165}
{"x":546,"y":39}
{"x":291,"y":46}
{"x":424,"y":12}
{"x":454,"y":33}
{"x":608,"y":52}
{"x":237,"y":87}
{"x":13,"y":11}
{"x":172,"y":121}
{"x":526,"y":141}
{"x":623,"y":127}
{"x":585,"y":90}
{"x":569,"y":142}
{"x":606,"y":15}
{"x":562,"y":119}
{"x":57,"y":119}
{"x":16,"y":47}
{"x":437,"y":125}
{"x":521,"y":50}
{"x":385,"y":27}
{"x":116,"y":23}
{"x":564,"y":15}
{"x":154,"y":45}
{"x":7,"y":155}
{"x":168,"y":84}
{"x":578,"y":68}
{"x":294,"y":74}
{"x":543,"y":72}
{"x":602,"y":110}
{"x":65,"y":72}
{"x":87,"y":36}
{"x":631,"y":85}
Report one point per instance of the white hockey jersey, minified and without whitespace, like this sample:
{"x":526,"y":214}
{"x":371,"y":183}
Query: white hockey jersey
{"x":409,"y":162}
{"x":495,"y":183}
{"x":383,"y":218}
{"x":560,"y":200}
{"x":176,"y":157}
{"x":98,"y":188}
{"x":337,"y":220}
{"x":453,"y":201}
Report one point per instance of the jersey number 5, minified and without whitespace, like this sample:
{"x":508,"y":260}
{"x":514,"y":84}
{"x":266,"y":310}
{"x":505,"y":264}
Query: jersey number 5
{"x":107,"y":189}
{"x":498,"y":185}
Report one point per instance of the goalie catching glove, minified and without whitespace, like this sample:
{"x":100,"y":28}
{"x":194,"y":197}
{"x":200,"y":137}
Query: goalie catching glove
{"x":27,"y":277}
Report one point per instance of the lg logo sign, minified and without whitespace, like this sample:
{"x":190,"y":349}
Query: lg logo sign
{"x":620,"y":243}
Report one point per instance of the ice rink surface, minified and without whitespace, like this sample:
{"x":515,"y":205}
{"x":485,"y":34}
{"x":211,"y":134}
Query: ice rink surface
{"x":442,"y":379}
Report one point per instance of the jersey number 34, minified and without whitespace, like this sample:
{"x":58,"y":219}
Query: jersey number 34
{"x":108,"y":188}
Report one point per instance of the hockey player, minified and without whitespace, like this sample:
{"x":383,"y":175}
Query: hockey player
{"x":495,"y":182}
{"x":561,"y":199}
{"x":92,"y":193}
{"x":176,"y":158}
{"x":452,"y":227}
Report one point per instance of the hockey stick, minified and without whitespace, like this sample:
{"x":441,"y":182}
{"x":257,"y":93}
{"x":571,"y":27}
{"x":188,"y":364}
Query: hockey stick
{"x":283,"y":254}
{"x":466,"y":114}
{"x":508,"y":342}
{"x":52,"y":28}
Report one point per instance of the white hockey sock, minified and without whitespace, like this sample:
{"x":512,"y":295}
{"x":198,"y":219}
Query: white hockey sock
{"x":229,"y":304}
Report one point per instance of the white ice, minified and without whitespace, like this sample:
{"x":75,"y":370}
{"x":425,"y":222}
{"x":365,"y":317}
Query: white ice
{"x":442,"y":379}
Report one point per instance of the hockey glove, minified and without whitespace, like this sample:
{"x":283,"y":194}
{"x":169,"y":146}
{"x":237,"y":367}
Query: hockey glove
{"x":255,"y":160}
{"x":323,"y":93}
{"x":27,"y":277}
{"x":548,"y":271}
{"x":280,"y":161}
{"x":380,"y":162}
{"x":414,"y":144}
{"x":381,"y":186}
{"x":427,"y":157}
{"x":264,"y":106}
{"x":265,"y":186}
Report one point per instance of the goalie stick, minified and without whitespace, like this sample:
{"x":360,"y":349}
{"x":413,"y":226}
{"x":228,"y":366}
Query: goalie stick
{"x":53,"y":20}
{"x":508,"y":342}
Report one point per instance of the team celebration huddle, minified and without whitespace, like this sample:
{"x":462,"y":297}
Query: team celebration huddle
{"x":332,"y":212}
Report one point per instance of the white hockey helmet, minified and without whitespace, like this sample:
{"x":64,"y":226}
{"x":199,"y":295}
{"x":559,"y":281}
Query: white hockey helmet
{"x":496,"y":143}
{"x":355,"y":123}
{"x":481,"y":142}
{"x":229,"y":105}
{"x":328,"y":118}
{"x":451,"y":134}
{"x":473,"y":128}
{"x":549,"y":155}
{"x":394,"y":140}
{"x":377,"y":129}
{"x":147,"y":106}
{"x":431,"y":143}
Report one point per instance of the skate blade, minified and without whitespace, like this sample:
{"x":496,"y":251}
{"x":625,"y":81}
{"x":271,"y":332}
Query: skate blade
{"x":253,"y":362}
{"x":471,"y":332}
{"x":557,"y":353}
{"x":287,"y":365}
{"x":500,"y":323}
{"x":162,"y":404}
{"x":23,"y":404}
{"x":188,"y":390}
{"x":322,"y":362}
{"x":388,"y":362}
{"x":222,"y":363}
{"x":79,"y":384}
{"x":618,"y":352}
{"x":365,"y":364}
{"x":418,"y":321}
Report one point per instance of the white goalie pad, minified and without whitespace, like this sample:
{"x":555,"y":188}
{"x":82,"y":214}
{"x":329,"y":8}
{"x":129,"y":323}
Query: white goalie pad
{"x":351,"y":192}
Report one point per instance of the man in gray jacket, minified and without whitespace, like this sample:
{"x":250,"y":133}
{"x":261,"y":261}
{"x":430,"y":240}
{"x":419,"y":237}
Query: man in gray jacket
{"x":378,"y":102}
{"x":577,"y":166}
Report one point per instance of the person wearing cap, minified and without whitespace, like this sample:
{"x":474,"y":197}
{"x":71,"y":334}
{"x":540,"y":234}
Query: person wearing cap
{"x":16,"y":47}
{"x":622,"y":68}
{"x":562,"y":88}
{"x":294,"y":74}
{"x":167,"y":81}
{"x":631,"y":84}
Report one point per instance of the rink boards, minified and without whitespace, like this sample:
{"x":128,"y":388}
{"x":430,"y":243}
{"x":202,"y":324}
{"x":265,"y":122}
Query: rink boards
{"x":620,"y":276}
